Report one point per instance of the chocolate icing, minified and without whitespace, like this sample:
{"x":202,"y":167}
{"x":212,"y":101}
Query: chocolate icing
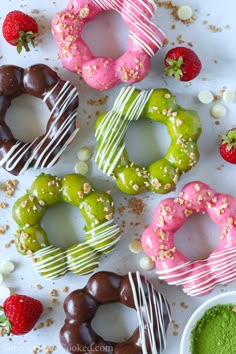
{"x":78,"y":336}
{"x":60,"y":96}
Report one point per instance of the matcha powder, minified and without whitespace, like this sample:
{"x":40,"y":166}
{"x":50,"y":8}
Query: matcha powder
{"x":215,"y":332}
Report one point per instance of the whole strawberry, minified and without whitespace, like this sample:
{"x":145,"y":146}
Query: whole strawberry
{"x":228,"y":146}
{"x":182,"y":63}
{"x":19,"y":29}
{"x":19,"y":314}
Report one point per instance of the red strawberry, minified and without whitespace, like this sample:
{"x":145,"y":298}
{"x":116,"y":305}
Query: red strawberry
{"x":228,"y":146}
{"x":19,"y":29}
{"x":19,"y":314}
{"x":182,"y":63}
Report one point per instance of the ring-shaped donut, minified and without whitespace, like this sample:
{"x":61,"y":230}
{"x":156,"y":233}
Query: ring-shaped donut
{"x":131,"y":290}
{"x":61,"y":98}
{"x":102,"y":73}
{"x":198,"y":277}
{"x":97,"y":208}
{"x":159,"y":105}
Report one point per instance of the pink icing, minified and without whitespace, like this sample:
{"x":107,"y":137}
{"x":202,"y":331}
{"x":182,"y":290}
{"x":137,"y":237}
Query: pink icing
{"x":102,"y":73}
{"x":198,"y":277}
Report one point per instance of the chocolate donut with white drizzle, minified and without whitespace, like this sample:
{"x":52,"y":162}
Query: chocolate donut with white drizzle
{"x":60,"y":96}
{"x":131,"y":290}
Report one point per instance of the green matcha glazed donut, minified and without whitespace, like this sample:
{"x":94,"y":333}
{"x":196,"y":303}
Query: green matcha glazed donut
{"x":97,"y":208}
{"x":159,"y":105}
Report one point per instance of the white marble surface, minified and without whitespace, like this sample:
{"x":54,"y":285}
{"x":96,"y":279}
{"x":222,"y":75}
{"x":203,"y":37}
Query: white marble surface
{"x":199,"y":236}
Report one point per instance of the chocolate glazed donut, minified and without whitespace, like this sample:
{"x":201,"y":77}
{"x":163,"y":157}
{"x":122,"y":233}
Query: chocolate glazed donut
{"x":132,"y":290}
{"x":60,"y":96}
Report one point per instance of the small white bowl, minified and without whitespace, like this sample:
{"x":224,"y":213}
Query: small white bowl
{"x":225,"y":298}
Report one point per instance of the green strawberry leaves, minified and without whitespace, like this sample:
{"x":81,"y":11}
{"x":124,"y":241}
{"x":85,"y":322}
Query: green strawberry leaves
{"x":25,"y":38}
{"x":229,"y":139}
{"x":5,"y":324}
{"x":174,"y":68}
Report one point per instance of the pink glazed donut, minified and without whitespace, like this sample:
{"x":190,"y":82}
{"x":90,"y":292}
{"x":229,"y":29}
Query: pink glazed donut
{"x":102,"y":73}
{"x":198,"y":277}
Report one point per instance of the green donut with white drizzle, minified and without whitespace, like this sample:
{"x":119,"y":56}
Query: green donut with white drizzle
{"x":184,"y":129}
{"x":96,"y":207}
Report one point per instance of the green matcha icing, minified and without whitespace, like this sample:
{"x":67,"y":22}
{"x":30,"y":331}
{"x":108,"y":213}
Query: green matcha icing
{"x":215,"y":332}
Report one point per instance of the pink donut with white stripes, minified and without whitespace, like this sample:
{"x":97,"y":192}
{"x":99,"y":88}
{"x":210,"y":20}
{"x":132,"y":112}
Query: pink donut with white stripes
{"x":198,"y":277}
{"x":103,"y":73}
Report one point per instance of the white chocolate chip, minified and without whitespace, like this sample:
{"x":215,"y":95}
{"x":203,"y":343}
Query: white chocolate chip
{"x":229,"y":96}
{"x":184,"y":12}
{"x":5,"y":292}
{"x":84,"y":154}
{"x":7,"y":267}
{"x":1,"y":278}
{"x":205,"y":97}
{"x":81,"y":167}
{"x":218,"y":110}
{"x":135,"y":246}
{"x":146,"y":263}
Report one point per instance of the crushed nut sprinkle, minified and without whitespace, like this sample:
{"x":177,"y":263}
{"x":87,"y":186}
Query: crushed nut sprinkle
{"x":65,"y":289}
{"x":3,"y":229}
{"x":9,"y":187}
{"x":39,"y":286}
{"x":136,"y":205}
{"x":53,"y":292}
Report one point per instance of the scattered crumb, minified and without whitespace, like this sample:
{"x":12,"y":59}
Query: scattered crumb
{"x":180,"y":39}
{"x":8,"y":245}
{"x":49,"y":322}
{"x":50,"y":348}
{"x":3,"y":229}
{"x":183,"y":305}
{"x":101,"y":101}
{"x":3,"y":205}
{"x":38,"y":286}
{"x":217,"y":98}
{"x":9,"y":188}
{"x":214,"y":29}
{"x":136,"y":205}
{"x":53,"y":292}
{"x":65,"y":289}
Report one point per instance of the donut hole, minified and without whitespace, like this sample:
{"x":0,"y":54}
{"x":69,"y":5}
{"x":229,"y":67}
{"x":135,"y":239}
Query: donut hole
{"x":64,"y":225}
{"x":115,"y":322}
{"x":106,"y":35}
{"x":198,"y":237}
{"x":146,"y":141}
{"x":27,"y":117}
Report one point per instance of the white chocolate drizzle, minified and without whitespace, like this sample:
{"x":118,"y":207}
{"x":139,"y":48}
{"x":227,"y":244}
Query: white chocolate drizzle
{"x":55,"y":266}
{"x":219,"y":268}
{"x":149,"y":306}
{"x":110,"y":232}
{"x":114,"y":125}
{"x":146,"y":34}
{"x":19,"y":150}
